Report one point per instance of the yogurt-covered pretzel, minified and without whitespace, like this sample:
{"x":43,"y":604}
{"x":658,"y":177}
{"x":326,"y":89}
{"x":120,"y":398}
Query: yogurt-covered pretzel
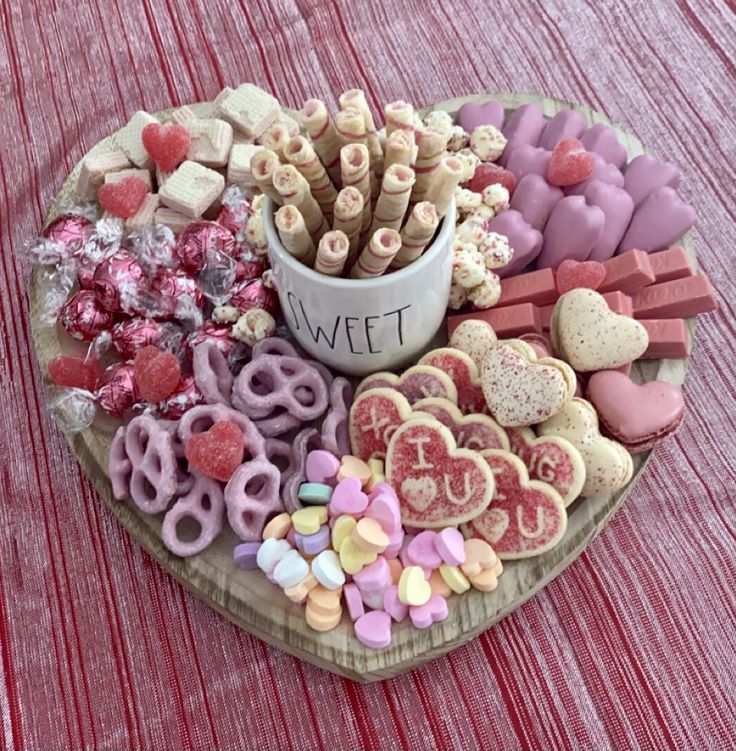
{"x":304,"y":442}
{"x":281,"y":455}
{"x":184,"y":478}
{"x":335,"y":431}
{"x":212,"y":373}
{"x":251,"y":497}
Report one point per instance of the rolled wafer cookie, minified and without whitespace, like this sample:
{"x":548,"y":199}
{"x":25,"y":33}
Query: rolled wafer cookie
{"x":321,"y":129}
{"x":350,"y":125}
{"x":276,"y":138}
{"x":349,"y":217}
{"x":355,"y":167}
{"x":356,"y":98}
{"x":417,"y":233}
{"x":399,"y":149}
{"x":399,"y":116}
{"x":262,"y":166}
{"x":445,"y":179}
{"x":294,"y":235}
{"x":432,"y":143}
{"x":332,"y":253}
{"x":377,"y":254}
{"x":395,"y":193}
{"x":301,"y":154}
{"x":294,"y":190}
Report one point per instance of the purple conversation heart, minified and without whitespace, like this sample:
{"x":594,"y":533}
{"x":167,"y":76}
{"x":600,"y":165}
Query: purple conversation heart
{"x":658,"y":222}
{"x":572,"y":230}
{"x":523,"y":238}
{"x":471,"y":115}
{"x":565,"y":124}
{"x":617,"y":206}
{"x":534,"y":198}
{"x":528,"y":160}
{"x":524,"y":126}
{"x":645,"y":174}
{"x":603,"y":140}
{"x":603,"y":171}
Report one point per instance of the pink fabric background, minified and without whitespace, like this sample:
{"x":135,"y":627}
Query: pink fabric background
{"x":632,"y":647}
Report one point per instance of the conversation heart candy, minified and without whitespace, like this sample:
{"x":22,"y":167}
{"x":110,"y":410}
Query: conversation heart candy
{"x":433,"y":611}
{"x":421,"y":551}
{"x":450,"y":545}
{"x":384,"y":508}
{"x":321,"y":467}
{"x":566,"y":123}
{"x":472,"y":114}
{"x":354,"y":601}
{"x":602,"y":171}
{"x":572,"y":230}
{"x":413,"y":587}
{"x":644,"y":174}
{"x":617,"y":207}
{"x":528,"y":160}
{"x":374,"y":629}
{"x":523,"y":238}
{"x":375,"y":576}
{"x":661,"y":219}
{"x":524,"y":126}
{"x":603,"y":140}
{"x":348,"y":497}
{"x":534,"y":199}
{"x":393,"y":605}
{"x":374,"y":416}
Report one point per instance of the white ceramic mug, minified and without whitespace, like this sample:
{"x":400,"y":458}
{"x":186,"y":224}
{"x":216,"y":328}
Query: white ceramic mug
{"x":359,"y":326}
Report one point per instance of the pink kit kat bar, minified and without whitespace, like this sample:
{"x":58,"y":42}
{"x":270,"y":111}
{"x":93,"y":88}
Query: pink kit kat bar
{"x":508,"y":322}
{"x":670,"y":264}
{"x":668,"y":337}
{"x":537,"y":287}
{"x":628,"y":272}
{"x":680,"y":298}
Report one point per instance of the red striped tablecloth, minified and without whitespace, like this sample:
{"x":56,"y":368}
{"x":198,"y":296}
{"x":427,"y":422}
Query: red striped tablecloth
{"x":632,"y":647}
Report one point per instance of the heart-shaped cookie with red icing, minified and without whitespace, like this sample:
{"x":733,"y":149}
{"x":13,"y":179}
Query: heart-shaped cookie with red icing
{"x":437,"y":484}
{"x":374,"y":416}
{"x":525,"y":517}
{"x":464,"y":374}
{"x":415,"y":383}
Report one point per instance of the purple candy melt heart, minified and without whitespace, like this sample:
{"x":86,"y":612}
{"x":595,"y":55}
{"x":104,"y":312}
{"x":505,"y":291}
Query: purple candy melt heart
{"x":525,"y":126}
{"x":565,"y":124}
{"x":471,"y":115}
{"x":535,"y":198}
{"x":572,"y":230}
{"x":523,"y":238}
{"x":645,"y":174}
{"x":659,"y":221}
{"x":603,"y":172}
{"x":528,"y":160}
{"x":603,"y":140}
{"x":618,"y":207}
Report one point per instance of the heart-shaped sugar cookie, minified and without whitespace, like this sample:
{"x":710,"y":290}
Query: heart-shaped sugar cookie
{"x":464,"y":374}
{"x":415,"y":383}
{"x":374,"y":416}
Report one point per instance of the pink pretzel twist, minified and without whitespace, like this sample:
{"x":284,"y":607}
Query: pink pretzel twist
{"x":212,"y":373}
{"x":335,"y":430}
{"x":304,"y":442}
{"x":252,"y":497}
{"x":184,"y":478}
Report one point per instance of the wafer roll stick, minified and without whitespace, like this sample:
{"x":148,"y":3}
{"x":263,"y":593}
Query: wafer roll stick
{"x":399,"y":149}
{"x":354,"y":164}
{"x":417,"y":233}
{"x":356,"y":98}
{"x":349,"y":217}
{"x":318,"y":124}
{"x":294,"y":190}
{"x":399,"y":116}
{"x":377,"y":254}
{"x":294,"y":235}
{"x":432,"y":144}
{"x":276,"y":138}
{"x":302,"y":155}
{"x":332,"y":253}
{"x":395,"y":193}
{"x":262,"y":166}
{"x":442,"y":185}
{"x":350,"y":126}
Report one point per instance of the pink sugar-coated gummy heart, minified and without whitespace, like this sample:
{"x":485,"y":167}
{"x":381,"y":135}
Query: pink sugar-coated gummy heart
{"x":348,"y":498}
{"x":74,"y":372}
{"x":492,"y":174}
{"x":573,"y":274}
{"x":375,"y":576}
{"x":603,"y":172}
{"x":374,"y":629}
{"x":217,"y":452}
{"x":354,"y":601}
{"x":156,"y":373}
{"x":384,"y":508}
{"x":421,"y":551}
{"x":570,"y":163}
{"x":471,"y":115}
{"x":124,"y":198}
{"x":450,"y":544}
{"x":433,"y":611}
{"x":322,"y":467}
{"x":167,"y":145}
{"x":393,"y":606}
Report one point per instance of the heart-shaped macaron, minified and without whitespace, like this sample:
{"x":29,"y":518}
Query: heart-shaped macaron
{"x":437,"y":484}
{"x":123,"y":198}
{"x":216,"y":452}
{"x":569,"y":163}
{"x":374,"y":416}
{"x":464,"y":374}
{"x":167,"y":144}
{"x":525,"y":517}
{"x":573,"y":274}
{"x":591,"y":337}
{"x":637,"y":415}
{"x":471,"y":115}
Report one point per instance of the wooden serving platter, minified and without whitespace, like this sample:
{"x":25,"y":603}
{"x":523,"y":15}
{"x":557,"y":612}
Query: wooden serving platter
{"x":249,"y":600}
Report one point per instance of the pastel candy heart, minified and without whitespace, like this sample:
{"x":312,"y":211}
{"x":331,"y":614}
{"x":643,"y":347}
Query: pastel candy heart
{"x":573,"y":274}
{"x":525,"y":126}
{"x":464,"y":374}
{"x":566,"y":123}
{"x":661,"y":219}
{"x":471,"y":115}
{"x":421,"y":551}
{"x":433,"y":611}
{"x":450,"y":544}
{"x":603,"y":140}
{"x":374,"y":629}
{"x":348,"y":497}
{"x":617,"y":207}
{"x":523,"y":238}
{"x":637,"y":415}
{"x":528,"y":160}
{"x":645,"y":174}
{"x":526,"y":517}
{"x":393,"y":606}
{"x":321,"y":466}
{"x":413,"y":586}
{"x":534,"y":199}
{"x":374,"y":416}
{"x":572,"y":230}
{"x":384,"y":508}
{"x":373,"y":577}
{"x":602,"y":171}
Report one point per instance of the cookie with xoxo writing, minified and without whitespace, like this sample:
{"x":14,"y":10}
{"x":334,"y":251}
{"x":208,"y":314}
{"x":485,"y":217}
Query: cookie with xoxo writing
{"x":415,"y":383}
{"x":374,"y":416}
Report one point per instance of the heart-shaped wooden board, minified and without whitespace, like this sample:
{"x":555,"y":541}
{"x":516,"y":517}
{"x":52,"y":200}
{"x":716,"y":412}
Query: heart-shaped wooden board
{"x":249,"y":600}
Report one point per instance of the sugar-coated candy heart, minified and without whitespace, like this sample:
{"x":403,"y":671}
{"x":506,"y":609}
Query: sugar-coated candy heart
{"x":353,"y":466}
{"x":348,"y":497}
{"x":603,"y":140}
{"x":473,"y":114}
{"x":322,"y":467}
{"x":74,"y":372}
{"x":308,"y":520}
{"x":479,"y":556}
{"x":525,"y":126}
{"x":315,"y":493}
{"x":560,"y":242}
{"x":528,"y":160}
{"x":393,"y":605}
{"x":487,"y":581}
{"x":368,"y":535}
{"x":212,"y":373}
{"x":202,"y":417}
{"x":245,"y":555}
{"x":166,"y":144}
{"x":566,"y":123}
{"x":157,"y":373}
{"x":492,"y":174}
{"x":335,"y":427}
{"x":523,"y":238}
{"x":534,"y":199}
{"x":123,"y":198}
{"x":353,"y":557}
{"x":433,"y":611}
{"x":617,"y":207}
{"x":449,"y":543}
{"x":644,"y":174}
{"x":421,"y":551}
{"x":354,"y":601}
{"x":299,"y":592}
{"x":218,"y":452}
{"x":374,"y":629}
{"x":342,"y":527}
{"x":603,"y":171}
{"x":572,"y":274}
{"x":569,"y":163}
{"x":251,"y":497}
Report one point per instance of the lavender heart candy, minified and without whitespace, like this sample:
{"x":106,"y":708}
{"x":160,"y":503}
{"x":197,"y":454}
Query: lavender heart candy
{"x":565,"y":124}
{"x":572,"y":230}
{"x":645,"y":174}
{"x":528,"y":160}
{"x":603,"y":171}
{"x":524,"y":126}
{"x":618,"y":207}
{"x":603,"y":140}
{"x":523,"y":238}
{"x":534,"y":198}
{"x":658,"y":222}
{"x":471,"y":115}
